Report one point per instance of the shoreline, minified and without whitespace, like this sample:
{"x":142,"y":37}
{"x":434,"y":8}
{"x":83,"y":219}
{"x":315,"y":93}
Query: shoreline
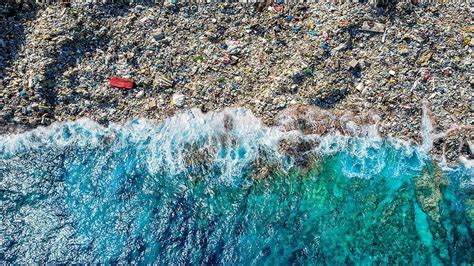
{"x":338,"y":58}
{"x":307,"y":122}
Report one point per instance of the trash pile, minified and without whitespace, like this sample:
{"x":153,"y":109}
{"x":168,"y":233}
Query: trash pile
{"x":115,"y":62}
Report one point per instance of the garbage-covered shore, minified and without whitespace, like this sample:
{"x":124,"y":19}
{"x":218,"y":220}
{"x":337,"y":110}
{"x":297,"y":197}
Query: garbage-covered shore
{"x":57,"y":62}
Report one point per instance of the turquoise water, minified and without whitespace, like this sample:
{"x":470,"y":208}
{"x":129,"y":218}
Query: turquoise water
{"x":200,"y":189}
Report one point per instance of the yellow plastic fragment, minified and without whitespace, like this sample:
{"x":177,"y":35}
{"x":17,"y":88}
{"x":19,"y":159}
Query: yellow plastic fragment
{"x":425,"y":58}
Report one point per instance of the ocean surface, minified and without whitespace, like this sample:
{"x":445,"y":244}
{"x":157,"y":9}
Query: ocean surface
{"x":222,"y":188}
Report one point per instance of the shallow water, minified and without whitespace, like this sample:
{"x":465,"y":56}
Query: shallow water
{"x":184,"y":191}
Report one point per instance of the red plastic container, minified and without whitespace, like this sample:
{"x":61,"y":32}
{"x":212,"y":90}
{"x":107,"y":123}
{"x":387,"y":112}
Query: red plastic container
{"x":121,"y":82}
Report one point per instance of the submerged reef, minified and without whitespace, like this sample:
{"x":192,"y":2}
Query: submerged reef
{"x":223,"y":188}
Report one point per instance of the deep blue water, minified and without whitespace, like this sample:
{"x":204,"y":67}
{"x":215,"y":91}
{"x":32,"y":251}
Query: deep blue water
{"x":191,"y":190}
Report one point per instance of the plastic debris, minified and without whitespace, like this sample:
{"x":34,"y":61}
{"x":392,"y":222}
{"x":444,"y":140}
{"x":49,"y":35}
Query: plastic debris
{"x":340,"y":58}
{"x":163,"y":81}
{"x":424,"y":58}
{"x":121,"y":82}
{"x":376,"y":27}
{"x":427,"y":77}
{"x":353,"y":63}
{"x":177,"y":100}
{"x":140,"y":94}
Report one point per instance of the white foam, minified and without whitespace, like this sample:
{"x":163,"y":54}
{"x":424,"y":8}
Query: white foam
{"x":231,"y":139}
